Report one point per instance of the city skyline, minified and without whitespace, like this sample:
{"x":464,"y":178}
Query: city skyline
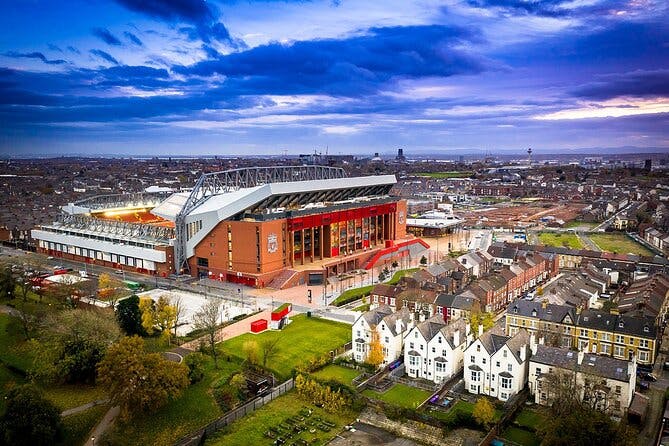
{"x":128,"y":77}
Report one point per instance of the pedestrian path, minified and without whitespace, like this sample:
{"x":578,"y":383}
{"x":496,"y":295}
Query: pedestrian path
{"x":83,"y":407}
{"x":229,"y":331}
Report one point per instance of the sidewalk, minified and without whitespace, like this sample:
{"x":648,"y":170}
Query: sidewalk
{"x":230,"y":331}
{"x":102,"y":427}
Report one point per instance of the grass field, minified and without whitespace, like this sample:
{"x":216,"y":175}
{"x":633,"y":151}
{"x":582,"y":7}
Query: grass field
{"x":193,"y":410}
{"x":337,"y":373}
{"x":520,"y":436}
{"x":303,"y":339}
{"x":529,"y":419}
{"x":463,"y":407}
{"x":251,"y":429}
{"x":580,"y":224}
{"x":78,"y":426}
{"x":400,"y":395}
{"x":619,"y":243}
{"x":560,"y":239}
{"x":449,"y":174}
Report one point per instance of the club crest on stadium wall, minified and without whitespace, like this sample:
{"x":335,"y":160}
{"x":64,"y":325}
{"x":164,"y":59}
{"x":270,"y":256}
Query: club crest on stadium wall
{"x":272,"y":243}
{"x":401,"y":217}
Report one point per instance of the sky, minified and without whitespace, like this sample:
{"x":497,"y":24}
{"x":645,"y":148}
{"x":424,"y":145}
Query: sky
{"x":228,"y":77}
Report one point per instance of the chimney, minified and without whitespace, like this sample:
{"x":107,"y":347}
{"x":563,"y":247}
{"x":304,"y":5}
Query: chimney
{"x":579,"y":357}
{"x":533,"y":348}
{"x":456,"y":337}
{"x":523,"y":352}
{"x":631,"y":367}
{"x":398,"y":326}
{"x":421,"y":316}
{"x":480,"y":330}
{"x":544,"y":304}
{"x":468,"y":328}
{"x":542,"y":340}
{"x":579,"y":309}
{"x":533,"y":339}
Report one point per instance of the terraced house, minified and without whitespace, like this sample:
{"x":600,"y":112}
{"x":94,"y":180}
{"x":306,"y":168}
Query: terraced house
{"x":593,"y":331}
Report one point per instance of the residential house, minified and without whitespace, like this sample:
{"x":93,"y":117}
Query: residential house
{"x":456,"y":306}
{"x":503,"y":253}
{"x":434,"y":350}
{"x":496,"y":364}
{"x":647,"y":297}
{"x":608,"y":383}
{"x":390,"y":327}
{"x":594,"y":331}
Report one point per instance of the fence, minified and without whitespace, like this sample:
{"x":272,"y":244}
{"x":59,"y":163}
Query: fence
{"x":198,"y":437}
{"x":510,"y":409}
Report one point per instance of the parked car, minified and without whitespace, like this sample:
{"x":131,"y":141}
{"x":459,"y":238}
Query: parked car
{"x":666,"y":365}
{"x":643,"y":385}
{"x":647,"y":376}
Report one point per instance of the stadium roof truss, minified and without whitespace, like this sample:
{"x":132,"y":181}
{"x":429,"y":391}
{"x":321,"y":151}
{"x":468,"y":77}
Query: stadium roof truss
{"x":125,"y":230}
{"x":137,"y":199}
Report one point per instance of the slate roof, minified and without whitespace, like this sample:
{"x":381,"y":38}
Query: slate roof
{"x":555,"y":356}
{"x":373,"y":317}
{"x":403,"y":315}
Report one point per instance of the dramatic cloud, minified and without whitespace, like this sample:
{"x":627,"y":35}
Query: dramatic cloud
{"x":638,"y":83}
{"x":35,"y":55}
{"x":53,"y":47}
{"x":133,"y":38}
{"x":202,"y":15}
{"x":106,"y":36}
{"x":353,"y":66}
{"x":105,"y":56}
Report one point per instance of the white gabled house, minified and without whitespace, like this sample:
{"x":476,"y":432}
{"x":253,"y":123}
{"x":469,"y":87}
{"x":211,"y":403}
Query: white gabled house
{"x":391,"y":328}
{"x":496,"y":365}
{"x":434,"y":350}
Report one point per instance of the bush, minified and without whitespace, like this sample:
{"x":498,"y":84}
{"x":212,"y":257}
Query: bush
{"x":196,"y":365}
{"x":226,"y":397}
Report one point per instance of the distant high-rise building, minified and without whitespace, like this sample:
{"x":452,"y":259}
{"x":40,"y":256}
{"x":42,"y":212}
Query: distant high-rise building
{"x":400,"y":155}
{"x":648,"y":165}
{"x":529,"y":156}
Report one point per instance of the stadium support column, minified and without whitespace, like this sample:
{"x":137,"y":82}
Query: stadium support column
{"x":321,"y":241}
{"x":291,"y":245}
{"x":303,"y":246}
{"x":311,"y":253}
{"x":383,"y":229}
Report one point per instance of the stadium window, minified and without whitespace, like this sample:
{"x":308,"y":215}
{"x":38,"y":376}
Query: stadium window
{"x":203,"y":262}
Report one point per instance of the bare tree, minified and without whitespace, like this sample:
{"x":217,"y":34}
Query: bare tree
{"x":268,"y":348}
{"x":206,"y":319}
{"x":179,"y":312}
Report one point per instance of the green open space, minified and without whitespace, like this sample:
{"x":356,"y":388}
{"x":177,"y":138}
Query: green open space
{"x":303,"y":339}
{"x":560,"y":239}
{"x":337,"y":373}
{"x":400,"y":395}
{"x":192,"y":410}
{"x":77,"y":426}
{"x":464,"y":407}
{"x":252,"y":429}
{"x":580,"y":224}
{"x":619,"y":243}
{"x":528,"y":418}
{"x":448,"y":174}
{"x":520,"y":436}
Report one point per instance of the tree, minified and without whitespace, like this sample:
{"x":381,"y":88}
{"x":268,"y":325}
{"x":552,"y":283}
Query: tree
{"x":540,"y":290}
{"x":129,"y":316}
{"x":165,"y":317}
{"x":375,"y":356}
{"x":268,"y":349}
{"x":394,"y":264}
{"x":483,"y":412}
{"x":476,"y":318}
{"x":179,"y":312}
{"x":110,"y":288}
{"x":574,"y":418}
{"x":195,"y":363}
{"x":250,"y":350}
{"x":206,"y":319}
{"x":423,"y":260}
{"x":148,"y":309}
{"x":139,"y":381}
{"x":30,"y":419}
{"x":7,"y":283}
{"x":73,"y":343}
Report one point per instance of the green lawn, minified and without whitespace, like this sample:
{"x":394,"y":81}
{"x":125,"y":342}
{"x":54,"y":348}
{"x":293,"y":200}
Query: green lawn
{"x":580,"y":224}
{"x":619,"y":243}
{"x":449,"y":174}
{"x":520,"y":436}
{"x":251,"y":429}
{"x":303,"y":339}
{"x":358,"y":293}
{"x":337,"y":373}
{"x":71,"y":396}
{"x":363,"y":308}
{"x":560,"y":239}
{"x":400,"y":395}
{"x":193,"y":410}
{"x":460,"y":406}
{"x":78,"y":426}
{"x":529,"y":419}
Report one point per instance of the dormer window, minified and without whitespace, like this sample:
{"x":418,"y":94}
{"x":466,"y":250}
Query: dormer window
{"x":621,"y":324}
{"x":646,"y":329}
{"x":515,"y":310}
{"x":534,"y":312}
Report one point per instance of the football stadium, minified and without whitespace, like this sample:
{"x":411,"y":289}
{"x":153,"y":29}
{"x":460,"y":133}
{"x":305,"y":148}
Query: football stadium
{"x":261,"y":226}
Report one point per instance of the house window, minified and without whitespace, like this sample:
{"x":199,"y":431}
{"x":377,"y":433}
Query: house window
{"x":392,"y":301}
{"x":410,"y":344}
{"x":472,"y":359}
{"x":413,"y":360}
{"x":444,"y":352}
{"x":478,"y":348}
{"x":509,"y":367}
{"x":483,"y":360}
{"x":643,"y":343}
{"x":619,"y":339}
{"x":497,"y":364}
{"x":631,"y":341}
{"x":506,"y":383}
{"x":605,"y":348}
{"x":537,"y":371}
{"x":434,"y":350}
{"x":440,"y":367}
{"x":504,"y":353}
{"x":387,"y":339}
{"x":619,"y":351}
{"x":475,"y":376}
{"x":503,"y":396}
{"x":618,"y":390}
{"x":643,"y":356}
